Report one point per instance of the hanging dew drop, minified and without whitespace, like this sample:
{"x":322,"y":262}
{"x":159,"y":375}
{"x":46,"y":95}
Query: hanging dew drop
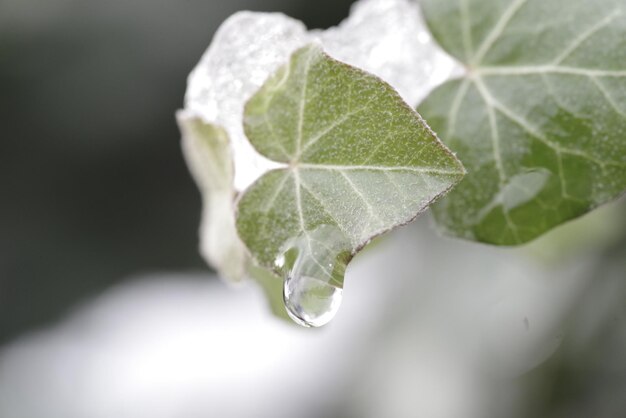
{"x":313,"y":266}
{"x":311,"y":302}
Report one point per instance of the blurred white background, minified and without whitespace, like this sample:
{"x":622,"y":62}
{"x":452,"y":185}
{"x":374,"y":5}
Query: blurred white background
{"x":430,"y":327}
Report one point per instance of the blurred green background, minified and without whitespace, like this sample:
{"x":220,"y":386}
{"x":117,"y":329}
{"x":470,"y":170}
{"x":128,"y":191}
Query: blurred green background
{"x":92,"y":183}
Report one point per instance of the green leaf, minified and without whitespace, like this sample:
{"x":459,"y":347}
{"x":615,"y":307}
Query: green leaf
{"x":207,"y":150}
{"x":357,"y":162}
{"x":272,"y":287}
{"x":539,"y":119}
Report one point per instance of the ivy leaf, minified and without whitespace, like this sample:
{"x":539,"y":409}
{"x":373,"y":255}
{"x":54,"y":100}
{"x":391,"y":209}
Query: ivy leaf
{"x":357,"y":162}
{"x":206,"y":148}
{"x":539,"y":119}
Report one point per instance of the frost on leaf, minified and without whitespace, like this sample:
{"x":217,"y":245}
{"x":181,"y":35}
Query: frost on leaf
{"x":390,"y":39}
{"x":385,"y":37}
{"x":246,"y":49}
{"x":207,"y":152}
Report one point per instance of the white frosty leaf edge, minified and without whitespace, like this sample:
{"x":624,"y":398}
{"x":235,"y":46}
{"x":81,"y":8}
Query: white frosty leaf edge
{"x":206,"y":150}
{"x":388,"y":38}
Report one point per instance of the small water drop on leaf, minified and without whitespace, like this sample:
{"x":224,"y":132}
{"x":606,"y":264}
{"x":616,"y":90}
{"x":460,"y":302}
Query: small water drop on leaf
{"x":357,"y":162}
{"x":313,"y":265}
{"x":311,"y":302}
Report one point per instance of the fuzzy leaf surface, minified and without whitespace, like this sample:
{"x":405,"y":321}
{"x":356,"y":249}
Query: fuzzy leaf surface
{"x":539,"y":119}
{"x":358,"y":161}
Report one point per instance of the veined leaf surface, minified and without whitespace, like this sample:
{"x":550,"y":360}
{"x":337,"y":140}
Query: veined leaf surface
{"x":357,"y":162}
{"x":539,"y":119}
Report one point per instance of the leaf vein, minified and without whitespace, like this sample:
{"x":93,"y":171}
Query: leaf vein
{"x":325,"y":208}
{"x":305,"y":84}
{"x":607,"y":96}
{"x":578,"y":41}
{"x":454,"y":109}
{"x":543,"y":69}
{"x":466,"y":30}
{"x":341,"y":120}
{"x":370,"y":208}
{"x":493,"y":124}
{"x":426,"y":170}
{"x":279,"y":188}
{"x":497,"y":30}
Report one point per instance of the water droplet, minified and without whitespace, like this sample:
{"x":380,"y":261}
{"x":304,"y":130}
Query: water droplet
{"x":313,"y":265}
{"x":280,"y":261}
{"x":311,"y":302}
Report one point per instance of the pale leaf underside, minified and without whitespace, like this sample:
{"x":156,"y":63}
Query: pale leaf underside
{"x":206,"y":148}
